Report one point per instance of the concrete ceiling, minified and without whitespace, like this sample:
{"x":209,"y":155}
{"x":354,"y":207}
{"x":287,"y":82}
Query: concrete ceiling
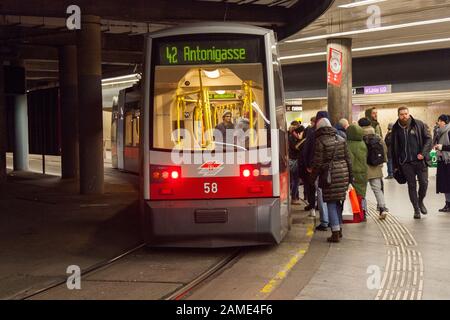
{"x":33,"y":30}
{"x":392,"y":13}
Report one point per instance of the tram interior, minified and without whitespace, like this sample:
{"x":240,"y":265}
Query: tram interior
{"x":189,"y":102}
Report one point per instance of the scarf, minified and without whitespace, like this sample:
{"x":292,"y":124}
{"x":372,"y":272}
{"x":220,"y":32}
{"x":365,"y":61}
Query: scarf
{"x":444,"y":140}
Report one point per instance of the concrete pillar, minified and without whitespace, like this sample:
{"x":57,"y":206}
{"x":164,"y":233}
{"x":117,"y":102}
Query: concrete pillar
{"x":90,"y":105}
{"x":340,"y":96}
{"x":2,"y":125}
{"x":68,"y":84}
{"x":21,"y":147}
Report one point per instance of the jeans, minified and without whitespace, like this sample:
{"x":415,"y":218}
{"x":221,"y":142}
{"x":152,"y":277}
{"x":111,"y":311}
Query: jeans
{"x":447,"y":197}
{"x":335,"y":215}
{"x":377,"y":187}
{"x":295,"y":180}
{"x":411,"y":170}
{"x":323,"y":209}
{"x":389,"y":168}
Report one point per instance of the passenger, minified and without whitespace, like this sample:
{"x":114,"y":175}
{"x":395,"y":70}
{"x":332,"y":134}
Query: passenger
{"x":443,"y":160}
{"x":358,"y":156}
{"x":388,"y":142}
{"x":294,"y":139}
{"x":411,"y":146}
{"x":294,"y":124}
{"x":372,"y":115}
{"x":303,"y":173}
{"x":375,"y":144}
{"x":331,"y":156}
{"x":226,"y":124}
{"x":341,"y":128}
{"x":308,"y":154}
{"x":241,"y":131}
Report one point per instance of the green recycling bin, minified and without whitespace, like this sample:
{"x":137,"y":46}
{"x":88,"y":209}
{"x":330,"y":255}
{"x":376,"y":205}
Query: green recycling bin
{"x":433,"y":157}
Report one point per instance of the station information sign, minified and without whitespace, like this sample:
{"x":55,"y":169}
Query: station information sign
{"x":221,"y":51}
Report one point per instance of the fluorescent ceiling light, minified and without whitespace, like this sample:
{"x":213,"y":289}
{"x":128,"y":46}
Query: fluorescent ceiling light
{"x":348,"y":33}
{"x":385,"y":46}
{"x":360,"y":3}
{"x":134,"y":76}
{"x":119,"y":82}
{"x":212,"y":74}
{"x":220,"y":91}
{"x":306,"y":55}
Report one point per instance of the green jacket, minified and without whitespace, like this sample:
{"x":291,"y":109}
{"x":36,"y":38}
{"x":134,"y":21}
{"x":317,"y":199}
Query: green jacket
{"x":358,"y":155}
{"x":374,"y":123}
{"x":374,"y":171}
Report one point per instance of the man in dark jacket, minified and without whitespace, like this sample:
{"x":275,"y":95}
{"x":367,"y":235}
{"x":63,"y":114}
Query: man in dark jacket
{"x":313,"y":188}
{"x":411,"y":146}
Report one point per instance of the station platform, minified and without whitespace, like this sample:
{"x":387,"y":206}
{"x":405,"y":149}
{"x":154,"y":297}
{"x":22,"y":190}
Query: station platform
{"x":45,"y":226}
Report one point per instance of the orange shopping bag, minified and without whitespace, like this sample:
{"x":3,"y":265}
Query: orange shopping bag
{"x":354,"y":201}
{"x":352,"y":212}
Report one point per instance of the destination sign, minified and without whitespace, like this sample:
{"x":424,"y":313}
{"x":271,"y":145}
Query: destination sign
{"x":208,"y":52}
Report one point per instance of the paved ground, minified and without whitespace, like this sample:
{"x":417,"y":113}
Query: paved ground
{"x":46,"y":226}
{"x":412,"y":255}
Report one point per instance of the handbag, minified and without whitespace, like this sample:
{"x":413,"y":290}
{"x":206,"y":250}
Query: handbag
{"x":399,"y":176}
{"x":325,"y":175}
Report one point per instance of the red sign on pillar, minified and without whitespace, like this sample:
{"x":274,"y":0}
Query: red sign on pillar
{"x":334,"y":67}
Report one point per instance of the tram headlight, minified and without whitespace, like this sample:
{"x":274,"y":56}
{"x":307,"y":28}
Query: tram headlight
{"x":175,"y":175}
{"x":246,"y":173}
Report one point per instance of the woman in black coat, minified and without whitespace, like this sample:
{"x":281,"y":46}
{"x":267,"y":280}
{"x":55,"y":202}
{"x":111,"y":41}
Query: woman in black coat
{"x":443,"y":160}
{"x":331,"y":155}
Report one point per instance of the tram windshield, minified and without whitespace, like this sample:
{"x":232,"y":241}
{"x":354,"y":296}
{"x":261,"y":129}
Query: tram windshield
{"x":210,"y":107}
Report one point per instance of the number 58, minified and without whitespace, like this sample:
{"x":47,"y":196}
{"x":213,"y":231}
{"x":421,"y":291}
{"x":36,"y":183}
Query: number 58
{"x":210,"y":187}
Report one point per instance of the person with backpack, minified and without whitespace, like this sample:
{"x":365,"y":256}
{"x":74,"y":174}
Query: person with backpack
{"x":376,"y":156}
{"x":372,"y":116}
{"x":411,"y":146}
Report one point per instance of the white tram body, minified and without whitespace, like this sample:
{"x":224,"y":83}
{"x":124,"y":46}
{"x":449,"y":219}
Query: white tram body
{"x":201,"y":188}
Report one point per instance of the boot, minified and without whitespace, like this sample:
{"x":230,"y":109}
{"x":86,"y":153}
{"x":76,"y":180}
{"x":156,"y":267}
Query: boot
{"x":446,"y":208}
{"x":340,"y":233}
{"x":422,"y":207}
{"x":334,"y":237}
{"x":417,"y":213}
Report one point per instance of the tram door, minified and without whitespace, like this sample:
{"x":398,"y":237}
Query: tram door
{"x":114,"y":120}
{"x":131,"y":124}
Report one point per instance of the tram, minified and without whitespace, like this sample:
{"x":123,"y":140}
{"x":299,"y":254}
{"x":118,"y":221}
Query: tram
{"x":213,"y":138}
{"x":125,"y":130}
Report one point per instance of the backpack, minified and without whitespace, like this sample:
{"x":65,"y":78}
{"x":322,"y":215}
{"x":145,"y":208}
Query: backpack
{"x":375,"y":150}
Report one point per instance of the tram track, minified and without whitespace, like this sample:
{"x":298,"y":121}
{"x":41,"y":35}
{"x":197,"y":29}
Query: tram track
{"x":89,"y":270}
{"x":188,"y":288}
{"x":185,"y":288}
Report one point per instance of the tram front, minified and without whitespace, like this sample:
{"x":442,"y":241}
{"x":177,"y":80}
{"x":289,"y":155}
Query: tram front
{"x":214,"y":154}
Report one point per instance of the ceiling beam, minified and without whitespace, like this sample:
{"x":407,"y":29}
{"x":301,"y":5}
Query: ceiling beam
{"x":151,"y":11}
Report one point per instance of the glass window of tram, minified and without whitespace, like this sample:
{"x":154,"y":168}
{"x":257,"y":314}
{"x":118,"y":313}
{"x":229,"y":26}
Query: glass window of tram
{"x":205,"y":107}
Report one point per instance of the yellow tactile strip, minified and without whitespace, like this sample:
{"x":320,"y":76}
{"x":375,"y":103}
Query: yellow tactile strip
{"x":403,"y":273}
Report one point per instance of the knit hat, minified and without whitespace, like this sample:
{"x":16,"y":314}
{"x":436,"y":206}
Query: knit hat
{"x":226,"y":112}
{"x":445,"y":118}
{"x":321,"y":114}
{"x":323,"y":122}
{"x":364,"y":122}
